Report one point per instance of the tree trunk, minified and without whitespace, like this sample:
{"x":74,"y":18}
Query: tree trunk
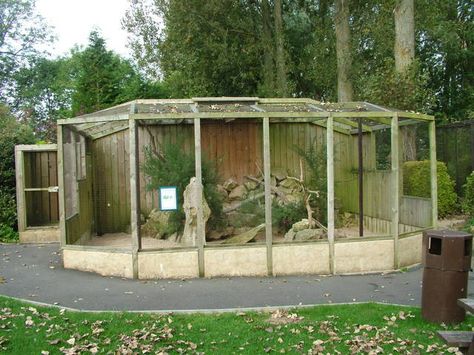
{"x":268,"y":85}
{"x":281,"y":80}
{"x":343,"y":50}
{"x":404,"y":48}
{"x":404,"y":53}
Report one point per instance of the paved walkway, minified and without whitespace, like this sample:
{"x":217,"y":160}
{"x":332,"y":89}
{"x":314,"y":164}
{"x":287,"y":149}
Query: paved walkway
{"x":35,"y":272}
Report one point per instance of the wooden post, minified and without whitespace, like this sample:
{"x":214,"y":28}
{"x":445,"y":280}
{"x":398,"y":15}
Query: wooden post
{"x":360,"y":177}
{"x":61,"y":195}
{"x":434,"y":176}
{"x":330,"y":188}
{"x":395,"y":193}
{"x":134,"y":192}
{"x":268,"y":194}
{"x":201,"y":233}
{"x":20,"y":189}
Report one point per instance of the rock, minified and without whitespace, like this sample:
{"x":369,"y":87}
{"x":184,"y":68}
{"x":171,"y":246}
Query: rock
{"x":307,"y":234}
{"x":273,"y":181}
{"x":251,"y":185}
{"x":290,"y":235}
{"x":238,"y":193}
{"x":230,"y":184}
{"x":239,"y":219}
{"x":219,"y":234}
{"x":155,"y":224}
{"x":222,"y":191}
{"x":291,"y":184}
{"x":245,"y":237}
{"x":279,"y":173}
{"x":294,"y":198}
{"x":230,"y":206}
{"x":301,"y":225}
{"x":190,"y":206}
{"x":283,"y":190}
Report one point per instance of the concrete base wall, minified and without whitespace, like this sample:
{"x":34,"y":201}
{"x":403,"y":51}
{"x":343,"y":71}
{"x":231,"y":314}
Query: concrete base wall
{"x":364,"y":256}
{"x":168,"y":265}
{"x":235,"y":262}
{"x":351,"y":256}
{"x":40,"y":235}
{"x":301,"y":259}
{"x":102,"y":263}
{"x":410,"y":250}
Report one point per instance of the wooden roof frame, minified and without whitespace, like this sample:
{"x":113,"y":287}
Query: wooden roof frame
{"x":115,"y":119}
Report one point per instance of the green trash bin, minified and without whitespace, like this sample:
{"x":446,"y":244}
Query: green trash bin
{"x":446,"y":261}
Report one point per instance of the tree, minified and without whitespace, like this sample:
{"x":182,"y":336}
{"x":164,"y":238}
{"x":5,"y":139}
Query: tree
{"x":404,"y":48}
{"x":42,"y":94}
{"x":22,"y":30}
{"x":12,"y":133}
{"x":103,"y":79}
{"x":343,"y":48}
{"x":280,"y":60}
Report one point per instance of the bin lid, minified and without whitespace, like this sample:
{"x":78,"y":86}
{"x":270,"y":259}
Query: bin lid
{"x":446,"y":233}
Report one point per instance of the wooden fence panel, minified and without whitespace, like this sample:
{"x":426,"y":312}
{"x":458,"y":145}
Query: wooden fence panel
{"x":41,"y":172}
{"x":415,"y":211}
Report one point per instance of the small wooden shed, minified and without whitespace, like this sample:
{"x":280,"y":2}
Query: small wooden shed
{"x":102,"y":189}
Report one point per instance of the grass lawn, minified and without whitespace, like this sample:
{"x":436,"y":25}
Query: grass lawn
{"x":333,"y":329}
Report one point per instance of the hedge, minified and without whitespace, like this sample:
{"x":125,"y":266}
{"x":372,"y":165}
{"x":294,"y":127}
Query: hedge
{"x":416,"y":182}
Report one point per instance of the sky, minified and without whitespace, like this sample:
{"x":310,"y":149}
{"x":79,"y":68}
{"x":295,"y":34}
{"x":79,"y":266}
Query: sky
{"x":73,"y":20}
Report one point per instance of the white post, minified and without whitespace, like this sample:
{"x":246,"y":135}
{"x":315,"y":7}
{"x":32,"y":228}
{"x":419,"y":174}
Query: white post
{"x":434,"y":175}
{"x":201,"y":234}
{"x":395,"y":193}
{"x":268,"y":194}
{"x":330,"y":189}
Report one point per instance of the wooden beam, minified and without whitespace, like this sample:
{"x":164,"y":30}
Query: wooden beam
{"x":335,"y":128}
{"x":134,"y":194}
{"x":268,"y":194}
{"x":395,"y":193}
{"x":352,"y":124}
{"x":201,"y":233}
{"x":225,"y":99}
{"x":330,"y":189}
{"x":434,"y":174}
{"x":61,"y":196}
{"x":110,"y":131}
{"x":223,"y":115}
{"x":20,"y":189}
{"x":36,"y":147}
{"x":93,"y":119}
{"x":415,"y":115}
{"x":288,"y":101}
{"x":364,"y":114}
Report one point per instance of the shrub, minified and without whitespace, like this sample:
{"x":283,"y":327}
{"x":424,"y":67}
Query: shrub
{"x":286,"y":215}
{"x":315,"y":179}
{"x":416,"y":182}
{"x":468,"y":200}
{"x":11,"y":133}
{"x":171,"y":166}
{"x":7,"y":217}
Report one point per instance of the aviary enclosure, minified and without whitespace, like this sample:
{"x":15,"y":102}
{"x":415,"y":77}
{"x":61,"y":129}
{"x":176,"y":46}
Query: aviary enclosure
{"x":290,"y":186}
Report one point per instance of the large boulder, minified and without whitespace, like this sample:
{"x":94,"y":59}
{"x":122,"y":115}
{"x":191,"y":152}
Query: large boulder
{"x":155,"y":224}
{"x":307,"y":234}
{"x":230,"y":184}
{"x":238,"y":193}
{"x":279,"y":173}
{"x":291,"y":184}
{"x":190,"y":206}
{"x":300,"y":225}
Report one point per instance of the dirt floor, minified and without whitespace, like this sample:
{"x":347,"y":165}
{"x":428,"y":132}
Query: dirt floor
{"x":123,"y":240}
